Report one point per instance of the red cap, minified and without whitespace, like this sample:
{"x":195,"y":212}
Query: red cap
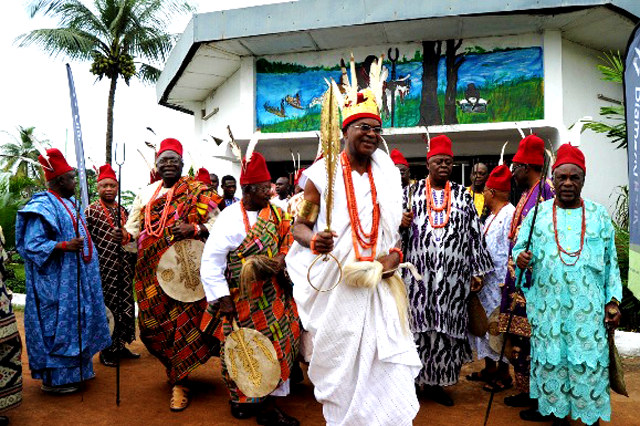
{"x":398,"y":158}
{"x":298,"y":175}
{"x":56,"y":166}
{"x":170,"y":144}
{"x":106,"y":172}
{"x":500,"y":179}
{"x":440,"y":145}
{"x":569,"y":154}
{"x":530,"y":151}
{"x":203,"y":176}
{"x":255,"y":171}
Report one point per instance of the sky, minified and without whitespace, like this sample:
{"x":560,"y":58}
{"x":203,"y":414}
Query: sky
{"x":34,"y":92}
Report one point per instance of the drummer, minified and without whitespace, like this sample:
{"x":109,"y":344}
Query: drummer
{"x":253,"y":235}
{"x":174,"y":209}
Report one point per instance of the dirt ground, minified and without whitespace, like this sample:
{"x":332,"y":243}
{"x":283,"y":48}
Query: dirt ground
{"x":145,"y":395}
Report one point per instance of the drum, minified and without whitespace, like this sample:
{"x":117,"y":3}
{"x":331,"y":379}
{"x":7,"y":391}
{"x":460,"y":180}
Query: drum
{"x":252,"y":361}
{"x":178,"y":271}
{"x":496,"y":338}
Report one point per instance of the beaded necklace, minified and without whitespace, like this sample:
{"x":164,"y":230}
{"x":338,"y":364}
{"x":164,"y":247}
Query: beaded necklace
{"x":431,"y":205}
{"x":494,"y":218}
{"x":85,"y":258}
{"x":358,"y":235}
{"x":157,"y":232}
{"x":575,"y":254}
{"x":107,"y":213}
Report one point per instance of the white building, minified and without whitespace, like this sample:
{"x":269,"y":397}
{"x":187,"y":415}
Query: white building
{"x":519,"y":64}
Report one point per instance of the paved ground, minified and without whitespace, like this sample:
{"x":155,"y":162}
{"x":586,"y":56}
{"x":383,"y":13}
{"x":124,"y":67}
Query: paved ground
{"x":146,"y":393}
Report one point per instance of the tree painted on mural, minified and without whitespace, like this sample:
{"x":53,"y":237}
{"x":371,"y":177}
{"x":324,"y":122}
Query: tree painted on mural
{"x":429,"y":107}
{"x":453,"y":62}
{"x":121,"y":38}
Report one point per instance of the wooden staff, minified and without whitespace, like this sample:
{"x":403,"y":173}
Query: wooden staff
{"x":519,"y":281}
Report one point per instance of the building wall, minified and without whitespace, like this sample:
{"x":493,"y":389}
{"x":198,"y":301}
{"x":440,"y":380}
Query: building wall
{"x":581,"y":83}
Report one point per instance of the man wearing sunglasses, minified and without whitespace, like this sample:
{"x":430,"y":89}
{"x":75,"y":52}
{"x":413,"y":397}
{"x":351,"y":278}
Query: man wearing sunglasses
{"x":526,"y":169}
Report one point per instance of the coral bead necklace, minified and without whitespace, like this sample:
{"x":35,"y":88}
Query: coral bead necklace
{"x":157,"y":232}
{"x":85,"y":258}
{"x":431,"y":205}
{"x":583,"y":230}
{"x":358,"y":235}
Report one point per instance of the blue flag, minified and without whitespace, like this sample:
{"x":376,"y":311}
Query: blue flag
{"x":632,"y":106}
{"x":77,"y":138}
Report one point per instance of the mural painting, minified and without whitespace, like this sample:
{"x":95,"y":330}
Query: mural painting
{"x":442,"y":83}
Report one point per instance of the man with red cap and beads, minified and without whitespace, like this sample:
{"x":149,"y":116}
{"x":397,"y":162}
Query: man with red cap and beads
{"x":116,"y":265}
{"x":527,"y":171}
{"x":572,"y":299}
{"x":53,"y":239}
{"x":169,"y":222}
{"x":496,"y":231}
{"x":256,"y":234}
{"x":362,"y":358}
{"x":446,"y":244}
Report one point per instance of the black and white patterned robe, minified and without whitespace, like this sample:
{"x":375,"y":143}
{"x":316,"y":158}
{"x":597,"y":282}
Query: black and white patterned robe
{"x":446,"y":258}
{"x":116,"y":270}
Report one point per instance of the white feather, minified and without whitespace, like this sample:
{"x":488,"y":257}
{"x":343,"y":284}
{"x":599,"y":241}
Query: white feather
{"x":298,"y":168}
{"x":145,"y":159}
{"x":294,"y":160}
{"x":43,"y":151}
{"x":428,"y":138}
{"x":338,"y":94}
{"x":353,"y":93}
{"x":252,"y":146}
{"x":573,"y":135}
{"x":501,"y":162}
{"x":319,"y":150}
{"x":522,"y":136}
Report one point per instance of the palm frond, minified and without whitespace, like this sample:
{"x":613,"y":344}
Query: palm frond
{"x":72,"y":43}
{"x":148,"y":74}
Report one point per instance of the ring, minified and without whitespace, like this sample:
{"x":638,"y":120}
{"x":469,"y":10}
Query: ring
{"x":324,"y":257}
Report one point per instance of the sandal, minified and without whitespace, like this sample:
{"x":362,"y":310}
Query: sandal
{"x":179,"y":398}
{"x":480,"y":376}
{"x":499,"y":384}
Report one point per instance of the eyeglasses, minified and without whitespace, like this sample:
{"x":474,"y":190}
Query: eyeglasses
{"x":515,"y":167}
{"x":169,"y":161}
{"x":365,"y":128}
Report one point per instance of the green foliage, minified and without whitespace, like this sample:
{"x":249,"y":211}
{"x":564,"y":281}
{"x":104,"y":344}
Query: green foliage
{"x":16,"y":281}
{"x":126,"y":199}
{"x":112,"y":34}
{"x":613,"y":124}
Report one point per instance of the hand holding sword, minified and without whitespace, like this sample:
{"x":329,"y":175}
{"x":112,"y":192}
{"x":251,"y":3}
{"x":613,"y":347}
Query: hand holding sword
{"x":322,"y":242}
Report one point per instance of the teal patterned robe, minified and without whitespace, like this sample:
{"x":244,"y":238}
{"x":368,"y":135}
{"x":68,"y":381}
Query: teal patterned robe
{"x":565,"y":306}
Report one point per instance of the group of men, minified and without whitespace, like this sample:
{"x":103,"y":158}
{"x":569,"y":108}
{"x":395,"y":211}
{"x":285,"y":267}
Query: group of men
{"x":384,"y":319}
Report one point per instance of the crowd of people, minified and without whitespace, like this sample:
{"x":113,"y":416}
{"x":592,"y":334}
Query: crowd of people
{"x":389,"y":315}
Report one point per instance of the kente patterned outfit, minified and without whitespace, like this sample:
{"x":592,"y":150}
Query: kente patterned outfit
{"x":520,"y":330}
{"x":116,"y":271}
{"x":170,"y":329}
{"x":446,"y":257}
{"x":269,"y":308}
{"x":51,"y":310}
{"x":10,"y":345}
{"x":565,"y":306}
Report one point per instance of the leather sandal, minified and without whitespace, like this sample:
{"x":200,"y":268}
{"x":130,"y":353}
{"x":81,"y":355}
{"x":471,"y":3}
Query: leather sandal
{"x":179,"y":398}
{"x":499,"y":384}
{"x":276,"y":417}
{"x":480,"y":376}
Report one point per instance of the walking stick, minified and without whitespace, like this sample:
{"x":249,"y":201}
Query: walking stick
{"x":519,"y":281}
{"x":393,"y":84}
{"x":118,"y":306}
{"x":78,"y":289}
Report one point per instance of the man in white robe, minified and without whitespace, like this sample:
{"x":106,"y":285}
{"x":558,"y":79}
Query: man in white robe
{"x":361,"y":354}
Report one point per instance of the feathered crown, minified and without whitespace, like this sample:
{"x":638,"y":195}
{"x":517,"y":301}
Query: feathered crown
{"x":365,"y":103}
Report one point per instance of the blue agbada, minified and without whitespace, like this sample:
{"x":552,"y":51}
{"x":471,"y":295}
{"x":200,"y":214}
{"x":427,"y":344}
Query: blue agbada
{"x":51,"y":311}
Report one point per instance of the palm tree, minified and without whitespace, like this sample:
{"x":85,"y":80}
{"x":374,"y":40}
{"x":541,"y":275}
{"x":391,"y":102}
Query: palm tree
{"x":110,"y":33}
{"x":19,"y":157}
